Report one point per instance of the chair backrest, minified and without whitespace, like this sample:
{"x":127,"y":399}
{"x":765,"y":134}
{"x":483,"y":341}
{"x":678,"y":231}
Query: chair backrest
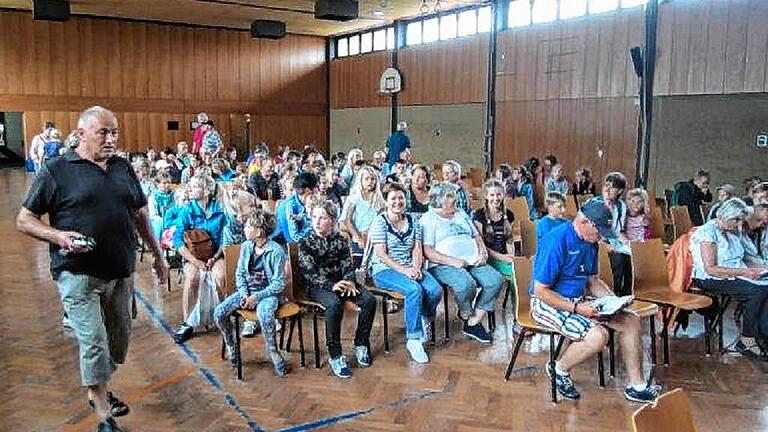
{"x":528,"y":237}
{"x":570,"y":207}
{"x":231,"y":256}
{"x":269,"y":205}
{"x":681,"y":221}
{"x":670,"y":412}
{"x":519,"y":207}
{"x":477,"y":175}
{"x":523,"y":271}
{"x":605,"y":272}
{"x":657,"y":223}
{"x":705,"y":208}
{"x":581,"y":199}
{"x":294,"y":283}
{"x":649,"y":265}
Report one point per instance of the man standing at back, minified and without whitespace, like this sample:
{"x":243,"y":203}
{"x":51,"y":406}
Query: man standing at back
{"x":692,"y":194}
{"x":397,"y":142}
{"x":95,"y":204}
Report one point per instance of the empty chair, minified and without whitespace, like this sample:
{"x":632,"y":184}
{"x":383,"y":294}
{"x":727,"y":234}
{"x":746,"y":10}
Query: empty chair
{"x":528,"y":237}
{"x":681,"y":221}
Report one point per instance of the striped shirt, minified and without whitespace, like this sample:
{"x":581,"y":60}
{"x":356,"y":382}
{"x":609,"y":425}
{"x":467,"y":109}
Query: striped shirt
{"x":399,"y":244}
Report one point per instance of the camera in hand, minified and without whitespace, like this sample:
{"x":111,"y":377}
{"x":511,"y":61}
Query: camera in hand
{"x":86,"y":243}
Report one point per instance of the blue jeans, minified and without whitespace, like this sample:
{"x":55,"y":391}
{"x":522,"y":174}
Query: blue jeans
{"x":421,"y":297}
{"x":465,"y":281}
{"x":265,"y":311}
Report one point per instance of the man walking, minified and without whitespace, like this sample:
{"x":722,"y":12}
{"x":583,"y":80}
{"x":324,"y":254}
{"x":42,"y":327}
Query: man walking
{"x":95,"y":204}
{"x":397,"y":142}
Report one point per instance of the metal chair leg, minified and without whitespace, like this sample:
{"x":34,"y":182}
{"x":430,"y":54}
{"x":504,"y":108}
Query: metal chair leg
{"x":507,"y":293}
{"x":386,"y":324}
{"x":290,"y":334}
{"x":301,"y":339}
{"x":491,"y":321}
{"x":314,"y":335}
{"x":513,"y":359}
{"x":434,"y":339}
{"x":707,"y":337}
{"x":282,"y":333}
{"x":560,"y":342}
{"x":667,"y":315}
{"x":237,"y":347}
{"x":447,"y":318}
{"x":600,"y":369}
{"x":553,"y":384}
{"x":652,"y":327}
{"x":223,"y":344}
{"x":611,"y":353}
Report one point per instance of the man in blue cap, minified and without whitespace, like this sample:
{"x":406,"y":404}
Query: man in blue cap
{"x":564,"y":275}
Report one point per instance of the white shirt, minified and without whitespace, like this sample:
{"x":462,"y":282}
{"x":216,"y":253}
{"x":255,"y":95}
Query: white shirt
{"x":730,"y":249}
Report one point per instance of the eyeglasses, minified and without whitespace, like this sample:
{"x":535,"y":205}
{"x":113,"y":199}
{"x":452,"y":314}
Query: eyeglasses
{"x":103,"y":132}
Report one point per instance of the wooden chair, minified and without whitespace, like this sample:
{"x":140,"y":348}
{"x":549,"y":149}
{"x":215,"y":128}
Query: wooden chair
{"x":313,"y":307}
{"x":581,"y":199}
{"x":528,"y":237}
{"x":705,"y":208}
{"x":523,"y":271}
{"x":570,"y":207}
{"x":670,"y":412}
{"x":651,"y":284}
{"x":477,"y":175}
{"x":519,"y":207}
{"x":657,"y":223}
{"x":287,"y":310}
{"x":681,"y":221}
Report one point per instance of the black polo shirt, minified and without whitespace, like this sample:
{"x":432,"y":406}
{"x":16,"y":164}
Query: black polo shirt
{"x":79,"y":196}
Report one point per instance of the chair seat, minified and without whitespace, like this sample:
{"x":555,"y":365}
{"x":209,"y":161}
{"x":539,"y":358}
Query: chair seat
{"x":642,"y":308}
{"x":665,"y":296}
{"x":285,"y":310}
{"x":394,"y":295}
{"x":526,"y":321}
{"x":347,"y":305}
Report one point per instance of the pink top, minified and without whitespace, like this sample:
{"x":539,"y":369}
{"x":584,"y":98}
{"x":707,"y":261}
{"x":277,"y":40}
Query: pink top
{"x":637,"y":228}
{"x":197,"y":140}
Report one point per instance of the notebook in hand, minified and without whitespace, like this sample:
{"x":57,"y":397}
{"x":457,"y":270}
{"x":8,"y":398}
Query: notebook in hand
{"x":610,"y":305}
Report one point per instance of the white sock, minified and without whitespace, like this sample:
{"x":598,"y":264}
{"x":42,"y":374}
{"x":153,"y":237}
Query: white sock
{"x":560,"y":371}
{"x":639,"y":387}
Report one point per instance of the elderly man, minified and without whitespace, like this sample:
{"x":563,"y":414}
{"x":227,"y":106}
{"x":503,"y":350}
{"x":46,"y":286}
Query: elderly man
{"x":452,"y":174}
{"x":95,"y":204}
{"x":692,"y":194}
{"x":564,"y":274}
{"x":397,"y":142}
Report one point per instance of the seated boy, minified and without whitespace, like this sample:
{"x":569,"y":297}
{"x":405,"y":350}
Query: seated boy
{"x":555,"y":203}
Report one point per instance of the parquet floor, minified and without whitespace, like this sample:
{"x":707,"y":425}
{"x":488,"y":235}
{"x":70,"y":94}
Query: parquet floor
{"x":173,"y":388}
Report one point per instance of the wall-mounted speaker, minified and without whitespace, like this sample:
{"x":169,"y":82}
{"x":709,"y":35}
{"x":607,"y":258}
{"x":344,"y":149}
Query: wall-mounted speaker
{"x":336,"y":10}
{"x":50,"y":10}
{"x":268,"y":29}
{"x":637,"y":60}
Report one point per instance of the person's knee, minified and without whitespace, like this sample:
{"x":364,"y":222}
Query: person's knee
{"x":265,"y":310}
{"x":333,"y":306}
{"x":596,"y":338}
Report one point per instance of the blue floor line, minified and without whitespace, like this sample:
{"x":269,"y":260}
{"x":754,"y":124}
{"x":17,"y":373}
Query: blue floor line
{"x":207,"y":374}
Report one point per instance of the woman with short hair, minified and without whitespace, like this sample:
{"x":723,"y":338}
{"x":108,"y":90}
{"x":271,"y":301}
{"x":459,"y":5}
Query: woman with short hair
{"x":418,"y":191}
{"x":397,"y":266}
{"x":458,"y":256}
{"x":719,"y":268}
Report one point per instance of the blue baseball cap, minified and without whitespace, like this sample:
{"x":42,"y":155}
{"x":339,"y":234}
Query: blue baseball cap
{"x":596,"y":211}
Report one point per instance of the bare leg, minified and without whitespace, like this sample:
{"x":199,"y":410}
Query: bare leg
{"x":578,"y":352}
{"x":630,"y":344}
{"x":191,"y":287}
{"x":98,"y":394}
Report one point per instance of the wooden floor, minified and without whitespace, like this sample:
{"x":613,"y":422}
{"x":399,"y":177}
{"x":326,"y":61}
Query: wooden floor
{"x":188,"y":388}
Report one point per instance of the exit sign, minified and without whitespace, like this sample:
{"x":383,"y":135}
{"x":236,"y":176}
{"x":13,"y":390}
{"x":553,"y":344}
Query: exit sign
{"x":762,"y":139}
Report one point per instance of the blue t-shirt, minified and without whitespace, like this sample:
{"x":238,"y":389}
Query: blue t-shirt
{"x":564,"y":262}
{"x":396,"y":143}
{"x":547,"y":224}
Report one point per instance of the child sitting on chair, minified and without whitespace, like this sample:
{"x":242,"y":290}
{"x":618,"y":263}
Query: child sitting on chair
{"x":555,"y":204}
{"x":259,"y":279}
{"x":638,"y":225}
{"x":161,"y":200}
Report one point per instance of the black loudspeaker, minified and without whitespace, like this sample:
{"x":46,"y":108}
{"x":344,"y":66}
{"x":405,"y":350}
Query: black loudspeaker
{"x":336,"y":10}
{"x":50,"y":10}
{"x":268,"y":29}
{"x":637,"y":60}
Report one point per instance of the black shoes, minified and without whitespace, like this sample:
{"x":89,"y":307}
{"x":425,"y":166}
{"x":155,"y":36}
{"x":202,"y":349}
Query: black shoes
{"x":117,"y":408}
{"x":564,"y":383}
{"x":646,"y":395}
{"x":476,"y":332}
{"x":183,"y":334}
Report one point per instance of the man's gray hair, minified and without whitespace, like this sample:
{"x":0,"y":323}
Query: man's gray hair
{"x":732,"y":209}
{"x":439,"y":192}
{"x":455,"y":165}
{"x":94,"y":111}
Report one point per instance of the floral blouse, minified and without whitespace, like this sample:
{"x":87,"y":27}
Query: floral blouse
{"x":325,"y":260}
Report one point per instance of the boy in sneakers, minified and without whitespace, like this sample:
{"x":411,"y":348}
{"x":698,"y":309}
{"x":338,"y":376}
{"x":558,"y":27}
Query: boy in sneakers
{"x":564,"y":272}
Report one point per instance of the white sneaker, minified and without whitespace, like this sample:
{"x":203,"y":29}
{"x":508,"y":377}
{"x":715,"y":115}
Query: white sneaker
{"x":249,"y":329}
{"x":416,"y":350}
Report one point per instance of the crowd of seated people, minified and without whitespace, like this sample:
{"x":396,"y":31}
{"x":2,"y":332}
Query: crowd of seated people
{"x":415,"y":234}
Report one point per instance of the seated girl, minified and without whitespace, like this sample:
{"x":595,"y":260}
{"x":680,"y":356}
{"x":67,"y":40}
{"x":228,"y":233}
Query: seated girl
{"x":260,"y":280}
{"x":360,"y":209}
{"x":397,"y":266}
{"x":638,"y":224}
{"x":329,"y":276}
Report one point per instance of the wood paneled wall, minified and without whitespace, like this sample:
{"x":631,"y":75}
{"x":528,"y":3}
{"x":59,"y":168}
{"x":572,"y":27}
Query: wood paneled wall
{"x":355,"y":81}
{"x":155,"y":73}
{"x":446,"y":72}
{"x":712,"y":47}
